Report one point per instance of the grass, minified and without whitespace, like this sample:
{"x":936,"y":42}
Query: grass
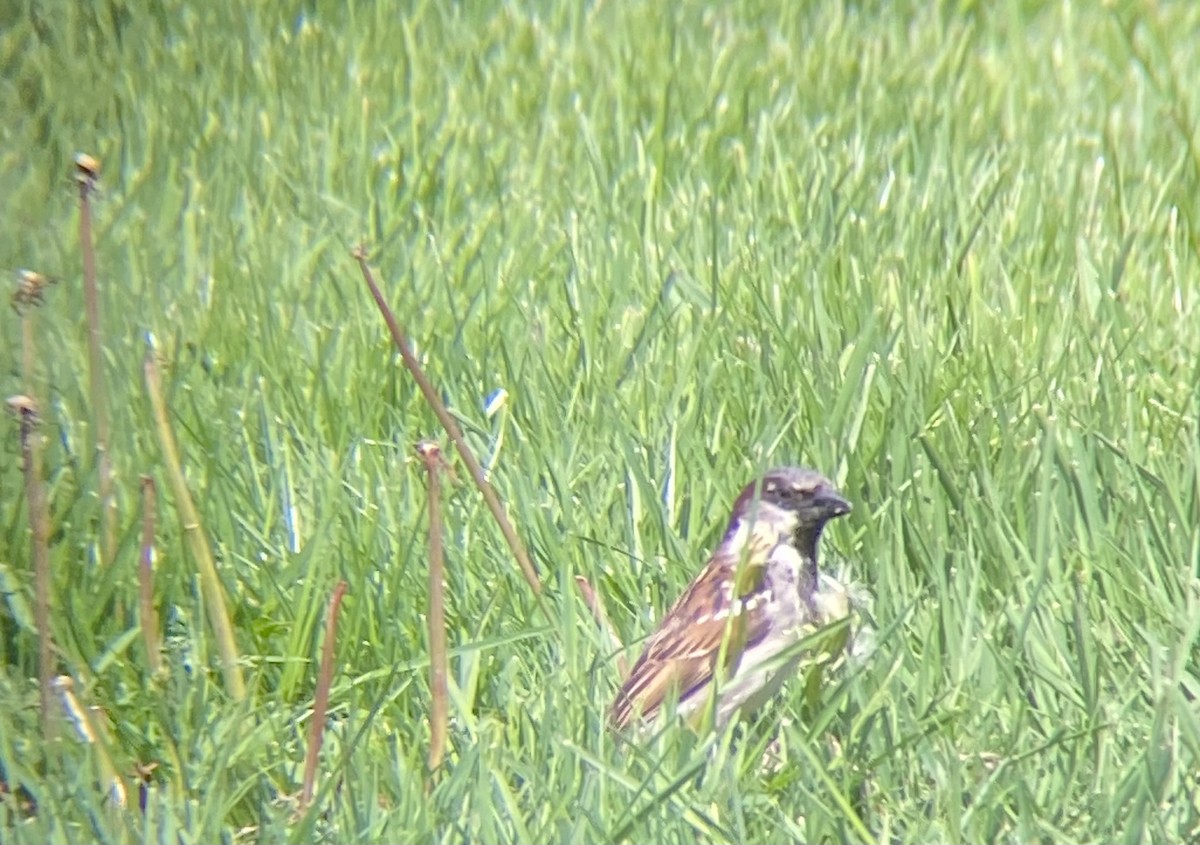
{"x":948,"y":253}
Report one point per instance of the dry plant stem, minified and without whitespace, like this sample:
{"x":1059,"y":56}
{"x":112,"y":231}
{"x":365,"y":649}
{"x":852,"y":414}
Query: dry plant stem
{"x":439,"y":714}
{"x":197,"y":540}
{"x":30,"y":293}
{"x":149,"y":618}
{"x":316,"y":730}
{"x":596,"y":605}
{"x":39,"y":527}
{"x":28,"y":353}
{"x":452,"y":429}
{"x":108,"y":504}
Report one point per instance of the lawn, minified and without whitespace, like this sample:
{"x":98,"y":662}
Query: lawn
{"x":947,"y":253}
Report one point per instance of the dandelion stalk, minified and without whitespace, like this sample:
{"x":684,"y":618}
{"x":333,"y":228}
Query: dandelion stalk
{"x":316,"y":730}
{"x":39,"y":521}
{"x":452,"y":429}
{"x":30,"y":291}
{"x":87,"y":171}
{"x":439,"y":712}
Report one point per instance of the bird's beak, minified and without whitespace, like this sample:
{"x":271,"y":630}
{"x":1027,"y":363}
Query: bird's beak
{"x":831,"y":504}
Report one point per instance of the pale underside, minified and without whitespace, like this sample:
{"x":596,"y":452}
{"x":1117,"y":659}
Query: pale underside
{"x":749,"y":631}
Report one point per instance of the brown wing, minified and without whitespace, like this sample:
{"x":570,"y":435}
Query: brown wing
{"x":682,"y":654}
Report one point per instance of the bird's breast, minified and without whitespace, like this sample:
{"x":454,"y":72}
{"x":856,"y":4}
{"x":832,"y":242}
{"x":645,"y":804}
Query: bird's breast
{"x":784,"y":564}
{"x":783,"y":577}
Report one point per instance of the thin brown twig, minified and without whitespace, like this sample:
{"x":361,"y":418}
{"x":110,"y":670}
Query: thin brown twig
{"x":439,"y":713}
{"x":28,"y":351}
{"x":452,"y":429}
{"x":30,"y":292}
{"x":149,"y":618}
{"x":39,"y":520}
{"x":87,"y":171}
{"x":316,"y":729}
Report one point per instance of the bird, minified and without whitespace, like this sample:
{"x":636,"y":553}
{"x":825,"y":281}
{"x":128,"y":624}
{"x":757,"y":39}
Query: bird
{"x":754,"y":600}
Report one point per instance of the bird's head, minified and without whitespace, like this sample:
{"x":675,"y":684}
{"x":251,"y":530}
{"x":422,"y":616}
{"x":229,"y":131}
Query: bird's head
{"x":797,"y":501}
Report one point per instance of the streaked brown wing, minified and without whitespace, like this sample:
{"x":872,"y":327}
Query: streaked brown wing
{"x":682,"y":654}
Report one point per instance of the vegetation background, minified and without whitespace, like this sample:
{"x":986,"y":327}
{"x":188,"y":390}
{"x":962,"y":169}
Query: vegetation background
{"x":948,"y":252}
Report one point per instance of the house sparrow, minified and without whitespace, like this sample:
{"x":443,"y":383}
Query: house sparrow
{"x":743,"y":612}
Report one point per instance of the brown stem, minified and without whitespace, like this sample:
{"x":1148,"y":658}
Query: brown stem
{"x":439,"y":714}
{"x":316,"y":730}
{"x":35,"y":496}
{"x":452,"y":429}
{"x":87,"y":170}
{"x":28,"y":352}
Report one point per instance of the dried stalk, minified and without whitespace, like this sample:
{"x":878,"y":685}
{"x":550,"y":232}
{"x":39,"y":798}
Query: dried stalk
{"x":316,"y":730}
{"x":30,"y":292}
{"x":87,"y":171}
{"x":452,"y":429}
{"x":39,"y":521}
{"x":439,"y":713}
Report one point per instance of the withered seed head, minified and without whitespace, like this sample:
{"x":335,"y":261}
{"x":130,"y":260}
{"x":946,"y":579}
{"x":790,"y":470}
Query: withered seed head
{"x":30,"y":289}
{"x":432,"y":456}
{"x":22,"y":406}
{"x":87,"y":168}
